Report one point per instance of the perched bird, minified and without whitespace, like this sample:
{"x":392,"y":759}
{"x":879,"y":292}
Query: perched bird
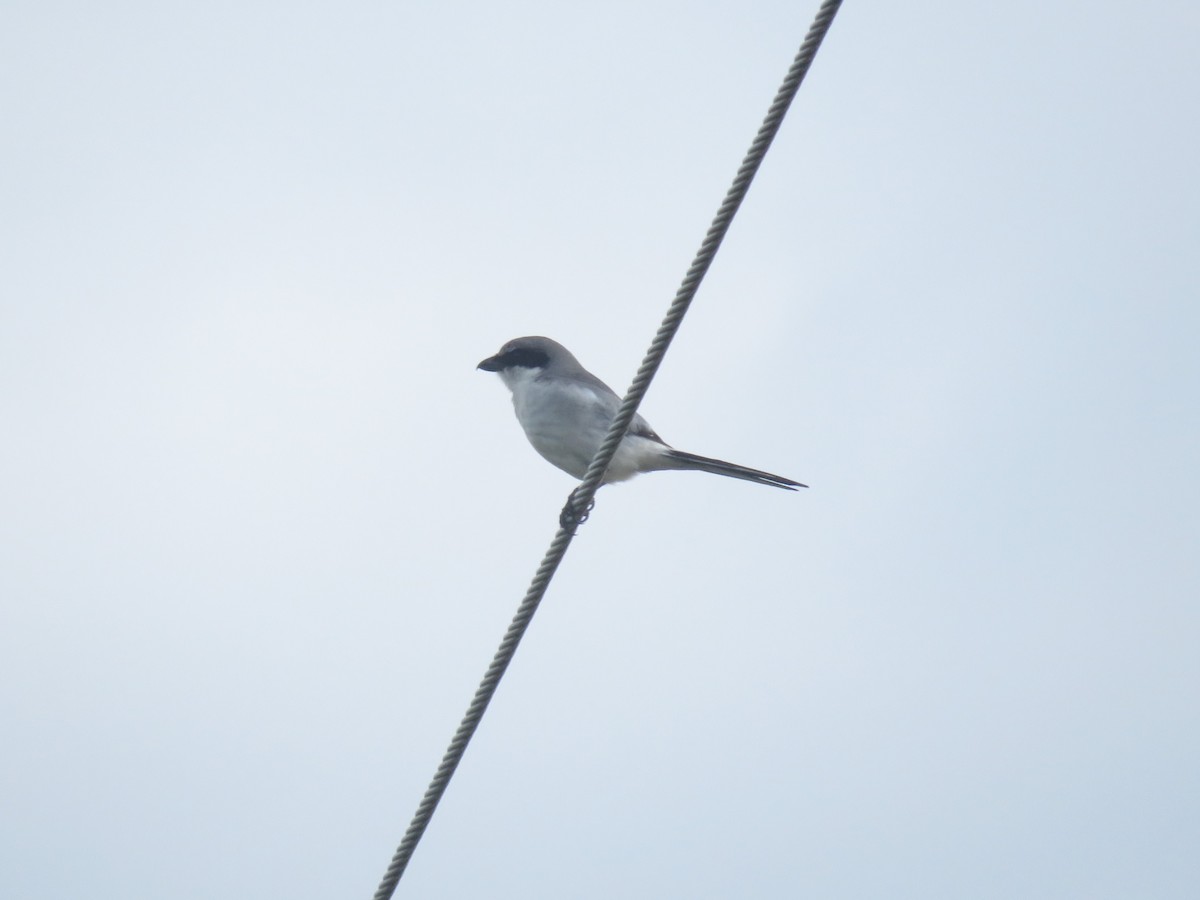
{"x":566,"y":412}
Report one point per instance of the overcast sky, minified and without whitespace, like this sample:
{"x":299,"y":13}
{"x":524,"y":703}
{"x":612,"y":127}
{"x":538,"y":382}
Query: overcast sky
{"x":263,"y":523}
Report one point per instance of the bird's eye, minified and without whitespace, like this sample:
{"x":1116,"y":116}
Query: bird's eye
{"x":525,"y":358}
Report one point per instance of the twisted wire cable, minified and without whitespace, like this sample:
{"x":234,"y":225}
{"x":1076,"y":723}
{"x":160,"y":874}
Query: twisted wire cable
{"x":581,"y":498}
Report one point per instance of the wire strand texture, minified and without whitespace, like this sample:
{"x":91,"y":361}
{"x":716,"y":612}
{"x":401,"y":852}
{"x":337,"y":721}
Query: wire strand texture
{"x":581,"y":498}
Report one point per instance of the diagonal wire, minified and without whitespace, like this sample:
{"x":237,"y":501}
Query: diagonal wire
{"x":581,"y":497}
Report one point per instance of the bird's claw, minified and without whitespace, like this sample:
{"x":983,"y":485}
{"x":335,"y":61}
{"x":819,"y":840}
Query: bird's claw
{"x":571,"y":517}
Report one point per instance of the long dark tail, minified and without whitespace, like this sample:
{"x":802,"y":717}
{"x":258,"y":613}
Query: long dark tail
{"x":677,"y":459}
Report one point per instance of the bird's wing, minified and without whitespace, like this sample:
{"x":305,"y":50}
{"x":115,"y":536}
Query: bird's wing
{"x":609,"y":401}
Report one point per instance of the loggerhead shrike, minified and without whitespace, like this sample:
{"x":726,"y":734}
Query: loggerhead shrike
{"x":566,"y":411}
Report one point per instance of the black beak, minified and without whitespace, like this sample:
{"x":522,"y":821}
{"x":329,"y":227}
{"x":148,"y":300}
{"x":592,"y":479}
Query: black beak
{"x":491,"y":364}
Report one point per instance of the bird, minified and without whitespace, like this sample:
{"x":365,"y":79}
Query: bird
{"x":566,"y":411}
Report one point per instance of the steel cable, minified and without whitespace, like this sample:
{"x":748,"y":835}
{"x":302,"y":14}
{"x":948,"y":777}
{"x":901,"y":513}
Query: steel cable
{"x":581,"y":498}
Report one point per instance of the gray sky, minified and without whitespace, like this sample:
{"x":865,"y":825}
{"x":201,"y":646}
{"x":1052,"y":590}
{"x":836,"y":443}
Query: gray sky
{"x":264,"y":524}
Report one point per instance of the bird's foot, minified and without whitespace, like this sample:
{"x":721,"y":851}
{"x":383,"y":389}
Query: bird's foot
{"x":571,"y":516}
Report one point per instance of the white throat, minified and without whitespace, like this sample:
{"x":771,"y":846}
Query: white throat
{"x":516,"y":378}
